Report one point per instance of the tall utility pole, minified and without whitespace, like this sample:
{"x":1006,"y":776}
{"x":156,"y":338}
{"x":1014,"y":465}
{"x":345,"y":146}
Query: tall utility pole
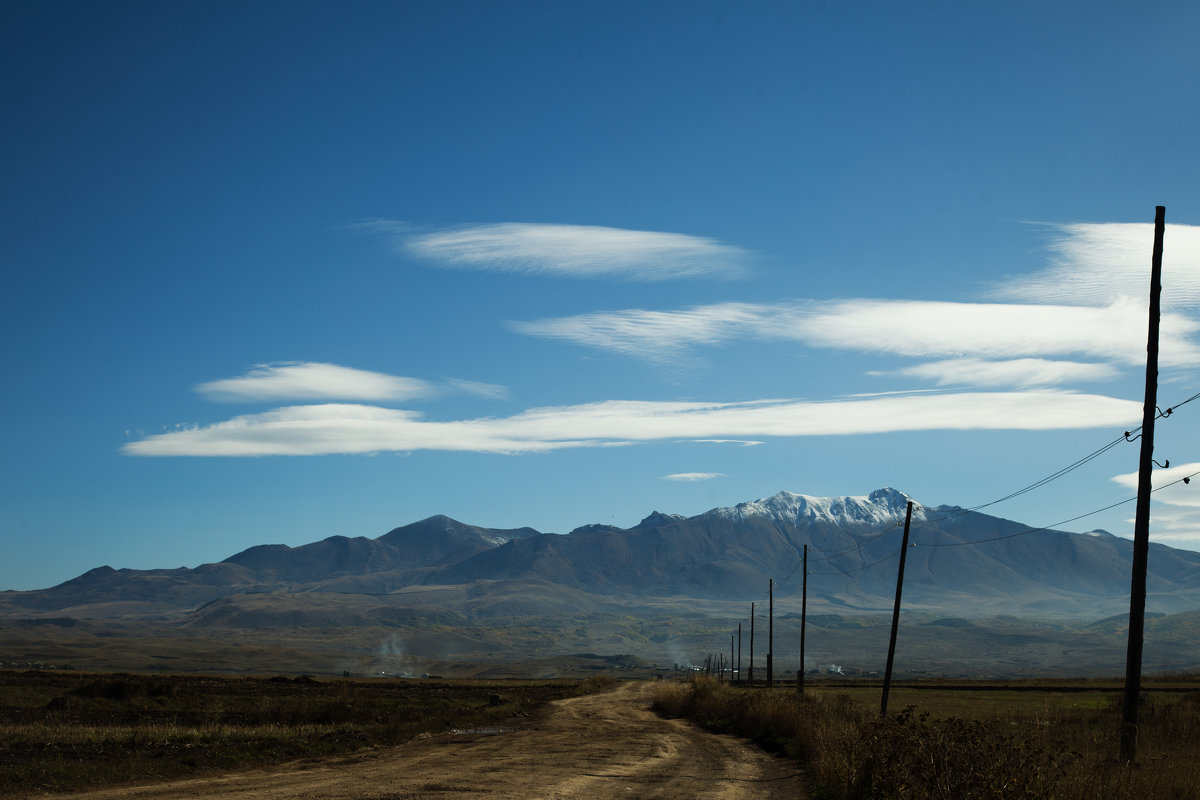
{"x":771,"y":633}
{"x":1141,"y":523}
{"x":803,"y":622}
{"x":739,"y":661}
{"x":731,"y":659}
{"x":750,"y":675}
{"x":887,"y":674}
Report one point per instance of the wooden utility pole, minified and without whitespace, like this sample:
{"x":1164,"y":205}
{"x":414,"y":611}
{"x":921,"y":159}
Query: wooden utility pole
{"x":887,"y":674}
{"x":771,"y":633}
{"x":750,"y":675}
{"x":731,"y":659}
{"x":739,"y":660}
{"x":803,"y":622}
{"x":1141,"y":523}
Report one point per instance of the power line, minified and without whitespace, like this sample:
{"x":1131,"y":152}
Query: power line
{"x":1029,"y":488}
{"x":1125,"y":437}
{"x":858,"y":545}
{"x":859,"y":568}
{"x":1171,"y":409}
{"x":1039,"y":483}
{"x":1185,"y":479}
{"x":1070,"y":467}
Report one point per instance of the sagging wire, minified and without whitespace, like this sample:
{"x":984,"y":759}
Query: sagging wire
{"x":859,"y":568}
{"x":1185,"y":479}
{"x":1031,"y":487}
{"x":1135,"y":433}
{"x":1160,"y":415}
{"x":1170,"y":410}
{"x":858,"y":545}
{"x":1040,"y":483}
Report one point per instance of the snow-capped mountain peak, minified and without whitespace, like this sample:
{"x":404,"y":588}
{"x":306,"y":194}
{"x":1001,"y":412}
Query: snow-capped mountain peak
{"x":880,"y":507}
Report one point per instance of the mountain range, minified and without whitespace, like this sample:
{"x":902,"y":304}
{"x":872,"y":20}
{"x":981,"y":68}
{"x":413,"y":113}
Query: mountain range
{"x":960,"y":561}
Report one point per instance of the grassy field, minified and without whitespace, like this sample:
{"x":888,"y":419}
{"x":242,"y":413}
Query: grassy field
{"x":964,"y":741}
{"x":64,"y":730}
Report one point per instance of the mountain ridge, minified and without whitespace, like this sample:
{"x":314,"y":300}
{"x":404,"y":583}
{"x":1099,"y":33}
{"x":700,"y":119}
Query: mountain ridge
{"x":962,"y":561}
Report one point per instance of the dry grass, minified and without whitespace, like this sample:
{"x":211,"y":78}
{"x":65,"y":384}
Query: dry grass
{"x":61,"y":731}
{"x":1038,"y":746}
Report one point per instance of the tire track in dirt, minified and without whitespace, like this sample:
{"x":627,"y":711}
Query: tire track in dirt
{"x":607,"y":745}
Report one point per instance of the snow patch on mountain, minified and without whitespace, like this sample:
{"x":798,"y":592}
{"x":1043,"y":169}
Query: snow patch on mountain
{"x":657,"y":519}
{"x":881,"y":507}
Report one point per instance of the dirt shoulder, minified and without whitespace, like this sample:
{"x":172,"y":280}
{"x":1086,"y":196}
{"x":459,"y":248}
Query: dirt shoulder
{"x":597,"y":746}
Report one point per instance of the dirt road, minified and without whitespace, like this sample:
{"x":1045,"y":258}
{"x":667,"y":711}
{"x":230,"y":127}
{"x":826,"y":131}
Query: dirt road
{"x":600,"y":746}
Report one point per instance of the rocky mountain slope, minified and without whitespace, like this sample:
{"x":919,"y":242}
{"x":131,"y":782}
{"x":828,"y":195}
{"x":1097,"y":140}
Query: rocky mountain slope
{"x":962,"y":562}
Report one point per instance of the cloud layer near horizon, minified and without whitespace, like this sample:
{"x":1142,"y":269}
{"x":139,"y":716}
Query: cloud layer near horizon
{"x":345,"y":428}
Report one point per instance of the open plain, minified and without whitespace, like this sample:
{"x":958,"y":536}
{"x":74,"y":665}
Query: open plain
{"x":599,"y":745}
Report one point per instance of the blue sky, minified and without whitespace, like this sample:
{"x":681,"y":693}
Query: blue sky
{"x":275,"y":272}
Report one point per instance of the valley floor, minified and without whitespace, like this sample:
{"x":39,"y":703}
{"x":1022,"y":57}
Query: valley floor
{"x":603,"y":745}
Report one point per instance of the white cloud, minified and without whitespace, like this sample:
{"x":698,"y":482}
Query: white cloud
{"x":343,"y":428}
{"x":578,"y":251}
{"x":1095,"y":263}
{"x":336,"y":428}
{"x":1168,"y":484}
{"x":693,"y":476}
{"x":1021,"y":372}
{"x":1089,"y":305}
{"x":657,"y":335}
{"x":1175,"y":515}
{"x":296,"y":380}
{"x":912,"y":328}
{"x":917,"y":328}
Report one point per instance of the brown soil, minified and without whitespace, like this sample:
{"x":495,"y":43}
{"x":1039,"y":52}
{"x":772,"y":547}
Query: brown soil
{"x":596,"y":746}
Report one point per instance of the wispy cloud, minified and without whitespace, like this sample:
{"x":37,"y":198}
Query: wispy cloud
{"x":575,"y":251}
{"x":336,"y":428}
{"x":693,"y":476}
{"x":491,"y":391}
{"x":297,"y":380}
{"x":658,"y":335}
{"x":344,"y":428}
{"x":917,"y":328}
{"x":1021,"y":372}
{"x":308,"y":380}
{"x":912,"y":328}
{"x":741,"y":442}
{"x":1096,"y":263}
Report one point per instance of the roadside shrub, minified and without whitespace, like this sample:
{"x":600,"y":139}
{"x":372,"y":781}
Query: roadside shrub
{"x":852,"y":755}
{"x":911,"y":756}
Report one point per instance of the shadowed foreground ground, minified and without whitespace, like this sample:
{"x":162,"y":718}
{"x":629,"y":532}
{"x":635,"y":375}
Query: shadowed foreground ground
{"x":598,"y":746}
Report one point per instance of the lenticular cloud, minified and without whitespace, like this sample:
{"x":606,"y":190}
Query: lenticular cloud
{"x":578,"y":251}
{"x":294,"y":380}
{"x":348,"y":428}
{"x":912,"y":328}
